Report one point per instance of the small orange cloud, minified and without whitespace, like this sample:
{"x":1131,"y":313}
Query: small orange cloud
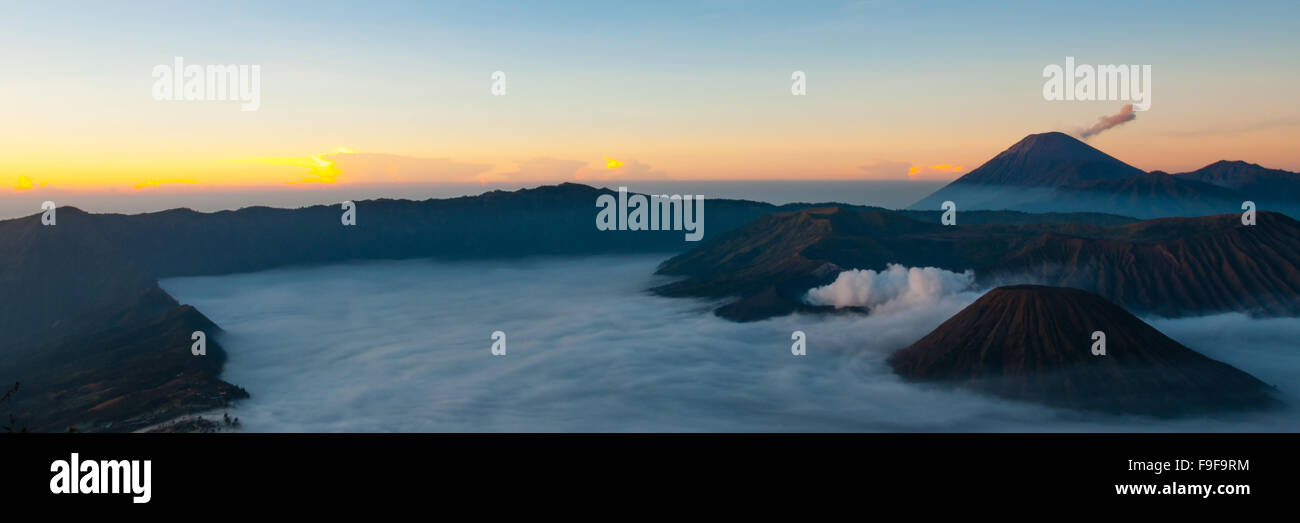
{"x":320,"y":170}
{"x":345,"y":166}
{"x":936,"y":168}
{"x":629,"y":170}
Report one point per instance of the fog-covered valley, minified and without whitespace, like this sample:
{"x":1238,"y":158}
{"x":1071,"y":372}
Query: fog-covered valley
{"x":405,"y":346}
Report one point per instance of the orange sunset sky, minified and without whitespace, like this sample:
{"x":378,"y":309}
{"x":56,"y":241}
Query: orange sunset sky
{"x":400,"y":93}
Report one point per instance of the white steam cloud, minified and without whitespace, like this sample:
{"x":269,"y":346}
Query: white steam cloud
{"x":893,"y":289}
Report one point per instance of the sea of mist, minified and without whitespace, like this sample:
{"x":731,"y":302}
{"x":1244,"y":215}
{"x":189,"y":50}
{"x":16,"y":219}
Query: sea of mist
{"x":401,"y":346}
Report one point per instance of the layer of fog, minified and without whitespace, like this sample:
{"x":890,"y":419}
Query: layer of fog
{"x":405,"y":346}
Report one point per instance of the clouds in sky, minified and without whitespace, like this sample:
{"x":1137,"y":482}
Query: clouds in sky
{"x":625,"y":170}
{"x":394,"y":168}
{"x":888,"y":169}
{"x":350,"y":167}
{"x":541,"y":168}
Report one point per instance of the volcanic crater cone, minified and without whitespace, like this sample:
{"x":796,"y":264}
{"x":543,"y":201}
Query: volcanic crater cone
{"x":1031,"y":342}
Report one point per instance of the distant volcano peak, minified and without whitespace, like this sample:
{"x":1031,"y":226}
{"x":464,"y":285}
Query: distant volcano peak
{"x":1040,"y":161}
{"x":1049,"y":140}
{"x":1049,"y":159}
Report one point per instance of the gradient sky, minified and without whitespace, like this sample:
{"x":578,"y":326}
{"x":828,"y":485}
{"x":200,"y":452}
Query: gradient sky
{"x":674,"y":90}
